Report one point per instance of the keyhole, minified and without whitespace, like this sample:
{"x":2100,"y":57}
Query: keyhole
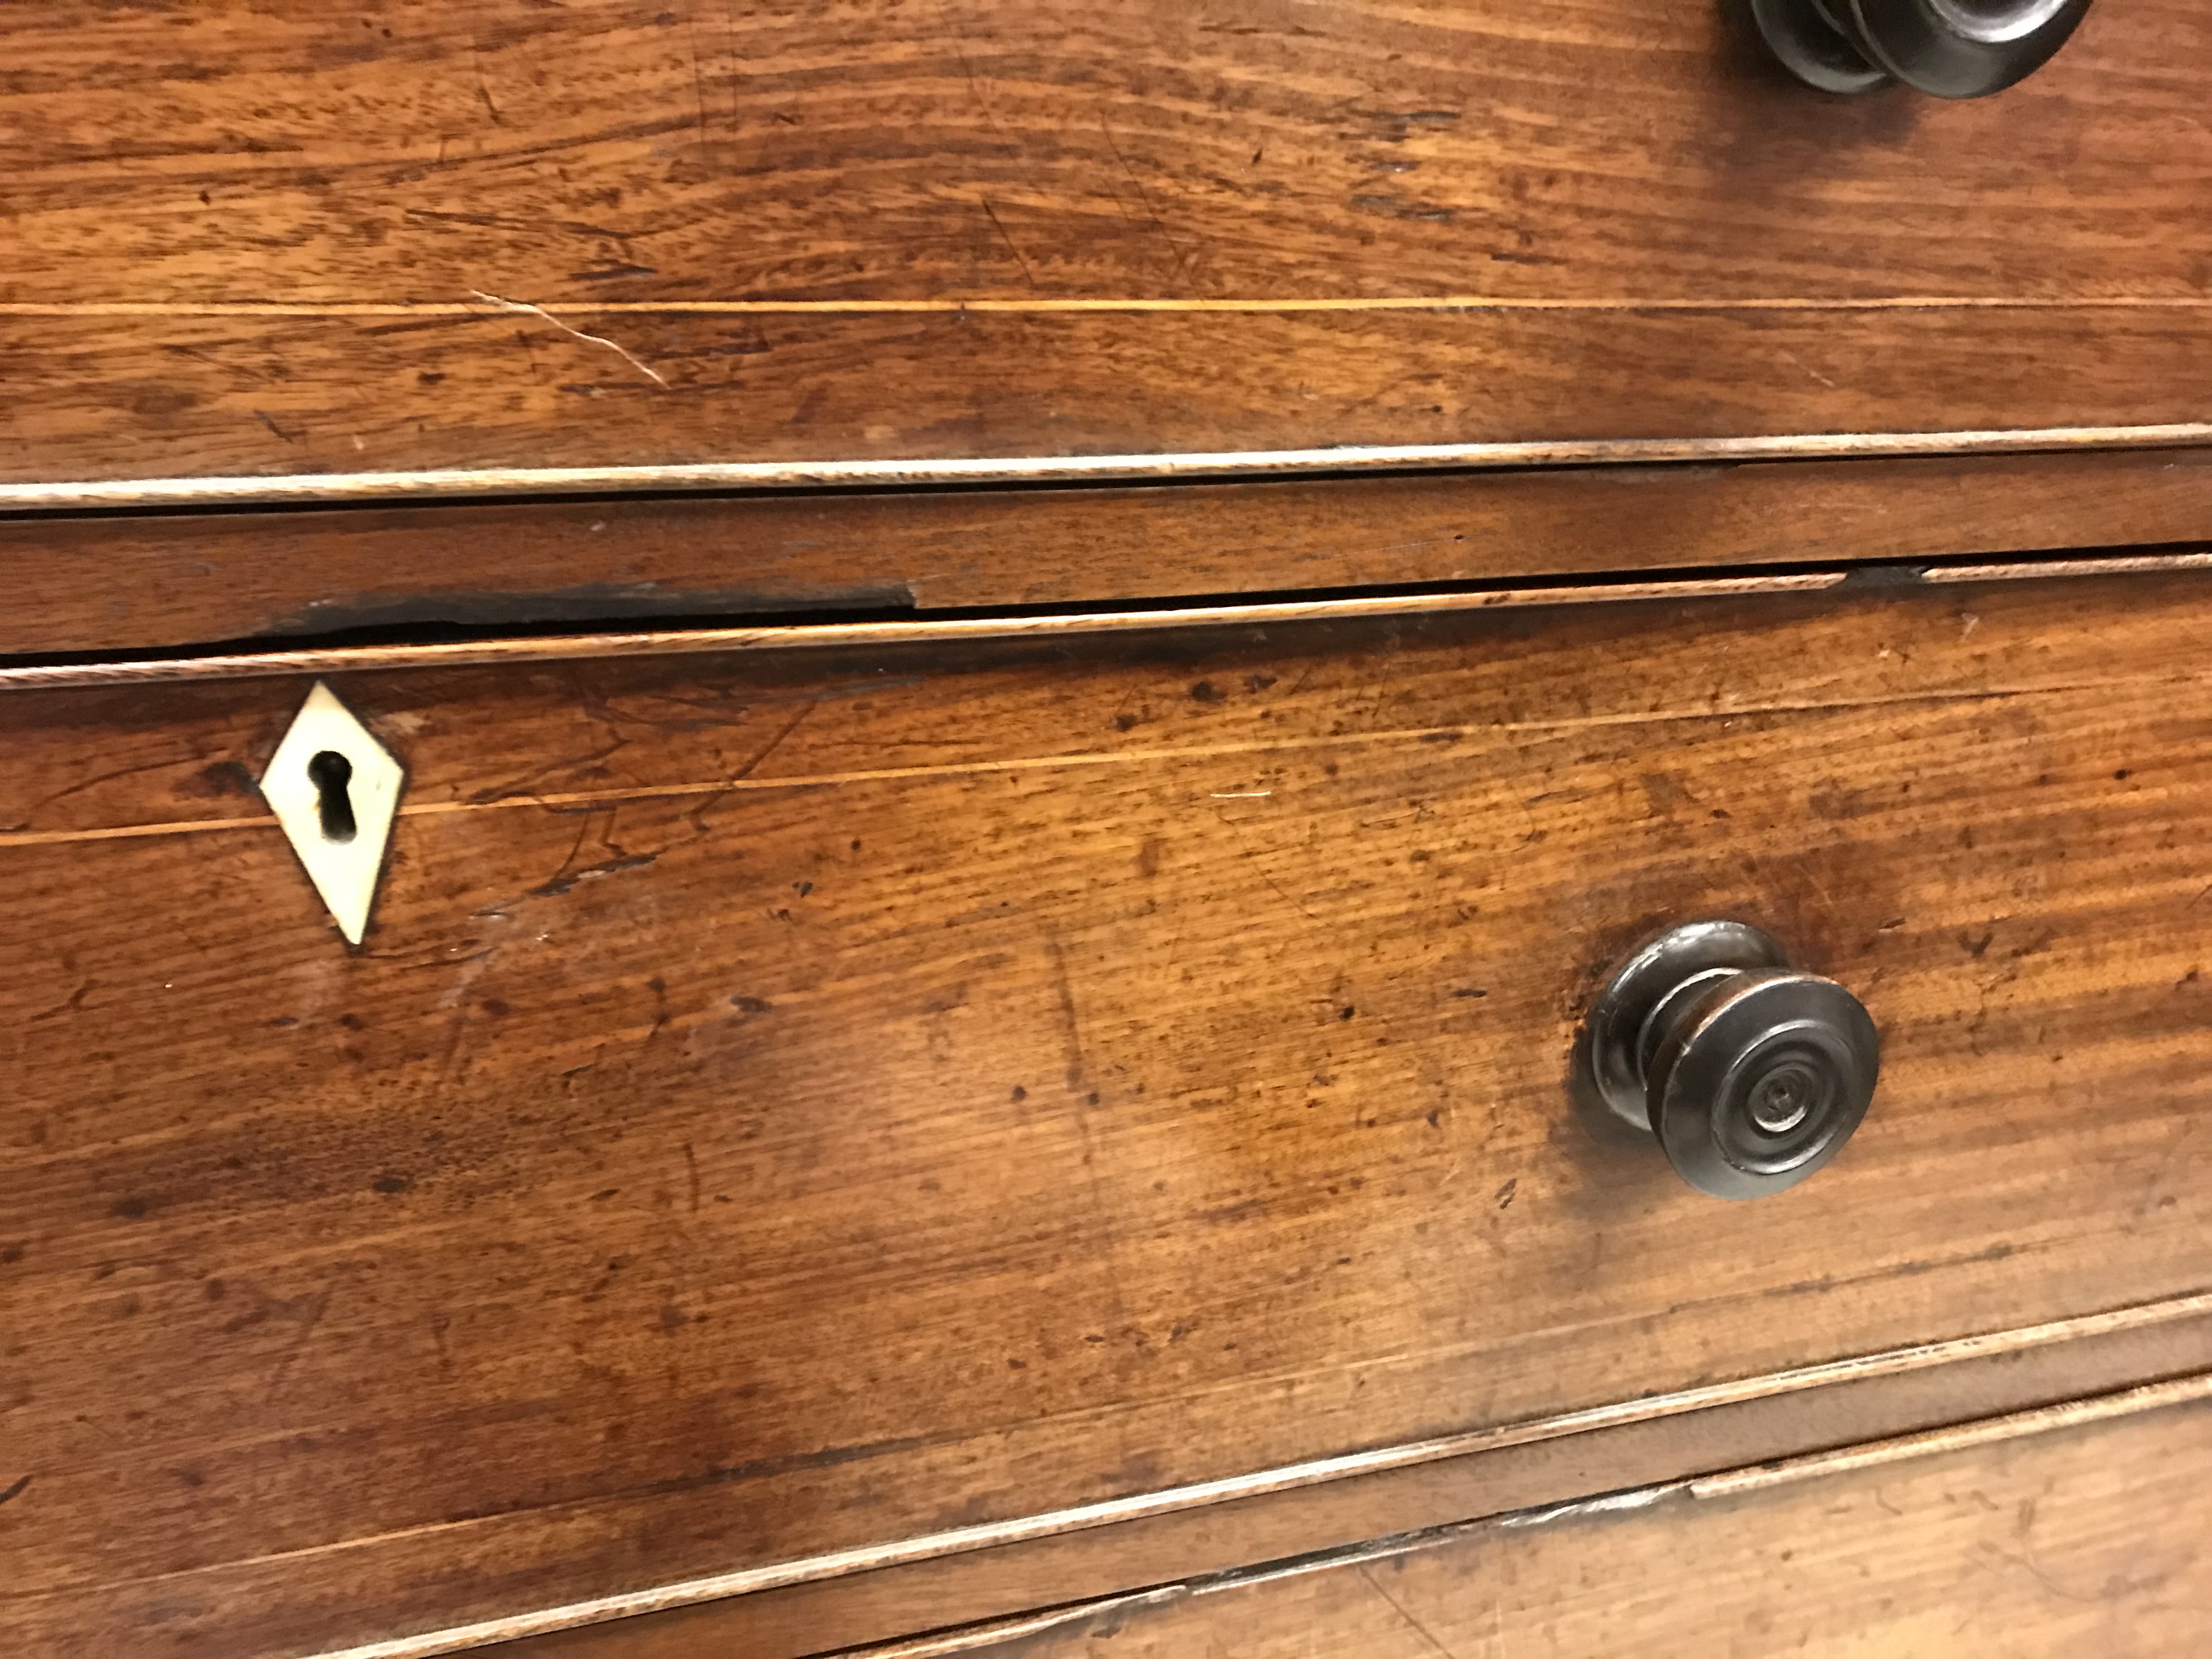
{"x":330,"y":772}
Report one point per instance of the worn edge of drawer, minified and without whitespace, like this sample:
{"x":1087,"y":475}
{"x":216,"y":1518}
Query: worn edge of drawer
{"x":605,"y":1623}
{"x":1967,"y":1436}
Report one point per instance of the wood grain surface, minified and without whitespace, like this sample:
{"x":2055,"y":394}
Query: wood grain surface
{"x":106,"y":583}
{"x":787,"y":1104}
{"x":493,"y":233}
{"x":1138,"y":1556}
{"x":2094,"y":1540}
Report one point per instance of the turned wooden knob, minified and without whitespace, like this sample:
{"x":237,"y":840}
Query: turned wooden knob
{"x":1751,"y":1074}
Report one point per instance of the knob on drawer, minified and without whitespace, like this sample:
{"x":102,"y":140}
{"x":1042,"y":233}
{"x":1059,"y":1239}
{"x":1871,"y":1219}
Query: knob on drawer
{"x":1751,"y":1075}
{"x":1951,"y":48}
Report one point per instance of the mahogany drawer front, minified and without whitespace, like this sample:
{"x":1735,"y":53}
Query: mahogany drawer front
{"x":793,"y":1102}
{"x":2035,"y":1547}
{"x":250,"y":244}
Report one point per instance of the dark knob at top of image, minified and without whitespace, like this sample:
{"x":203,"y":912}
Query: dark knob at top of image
{"x":1946,"y":48}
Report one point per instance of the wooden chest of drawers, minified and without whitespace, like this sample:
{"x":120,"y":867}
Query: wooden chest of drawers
{"x":1038,"y":667}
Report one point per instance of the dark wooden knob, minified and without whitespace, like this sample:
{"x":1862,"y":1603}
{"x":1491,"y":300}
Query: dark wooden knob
{"x":1751,"y":1074}
{"x":1949,"y":48}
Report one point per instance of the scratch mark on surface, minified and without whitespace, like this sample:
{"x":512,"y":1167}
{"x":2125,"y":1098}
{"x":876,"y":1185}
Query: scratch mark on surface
{"x":659,"y":989}
{"x":1085,"y":1099}
{"x":16,"y":1489}
{"x":1398,"y":1608}
{"x":698,"y":81}
{"x":73,"y":1004}
{"x":1252,"y":857}
{"x":314,"y":1306}
{"x":471,"y":966}
{"x":720,"y":791}
{"x":551,"y":884}
{"x":1159,"y":225}
{"x":2113,"y":1590}
{"x":212,"y":361}
{"x":94,"y":783}
{"x":484,"y":91}
{"x":539,"y":311}
{"x":691,"y":1168}
{"x":568,"y":878}
{"x":1245,"y":794}
{"x":438,"y":1323}
{"x":1792,"y":358}
{"x":520,"y":788}
{"x":774,"y":743}
{"x":1028,"y":275}
{"x":1071,"y":1028}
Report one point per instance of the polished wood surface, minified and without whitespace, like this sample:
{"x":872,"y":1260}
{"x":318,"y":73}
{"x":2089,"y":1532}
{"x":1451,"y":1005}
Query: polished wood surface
{"x":488,"y":234}
{"x":106,"y":583}
{"x":1137,"y":1556}
{"x":2096,"y":1539}
{"x":1216,"y":988}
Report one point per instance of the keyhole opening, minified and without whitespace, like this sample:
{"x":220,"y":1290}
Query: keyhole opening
{"x":330,"y":772}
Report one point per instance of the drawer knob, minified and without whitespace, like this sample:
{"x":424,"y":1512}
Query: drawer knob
{"x":1751,"y":1074}
{"x":1949,"y":48}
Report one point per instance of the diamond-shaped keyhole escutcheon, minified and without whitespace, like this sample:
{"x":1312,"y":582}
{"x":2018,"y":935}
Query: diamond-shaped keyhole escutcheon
{"x":335,"y":789}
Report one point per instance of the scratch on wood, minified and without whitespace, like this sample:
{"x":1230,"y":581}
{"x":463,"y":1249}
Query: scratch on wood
{"x":1028,"y":275}
{"x":74,"y":1003}
{"x":95,"y":781}
{"x":567,"y":879}
{"x":1158,"y":224}
{"x":1367,"y":1577}
{"x":1070,"y":1026}
{"x":15,"y":1489}
{"x":521,"y":787}
{"x":314,"y":1306}
{"x":773,"y":744}
{"x":543,"y":315}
